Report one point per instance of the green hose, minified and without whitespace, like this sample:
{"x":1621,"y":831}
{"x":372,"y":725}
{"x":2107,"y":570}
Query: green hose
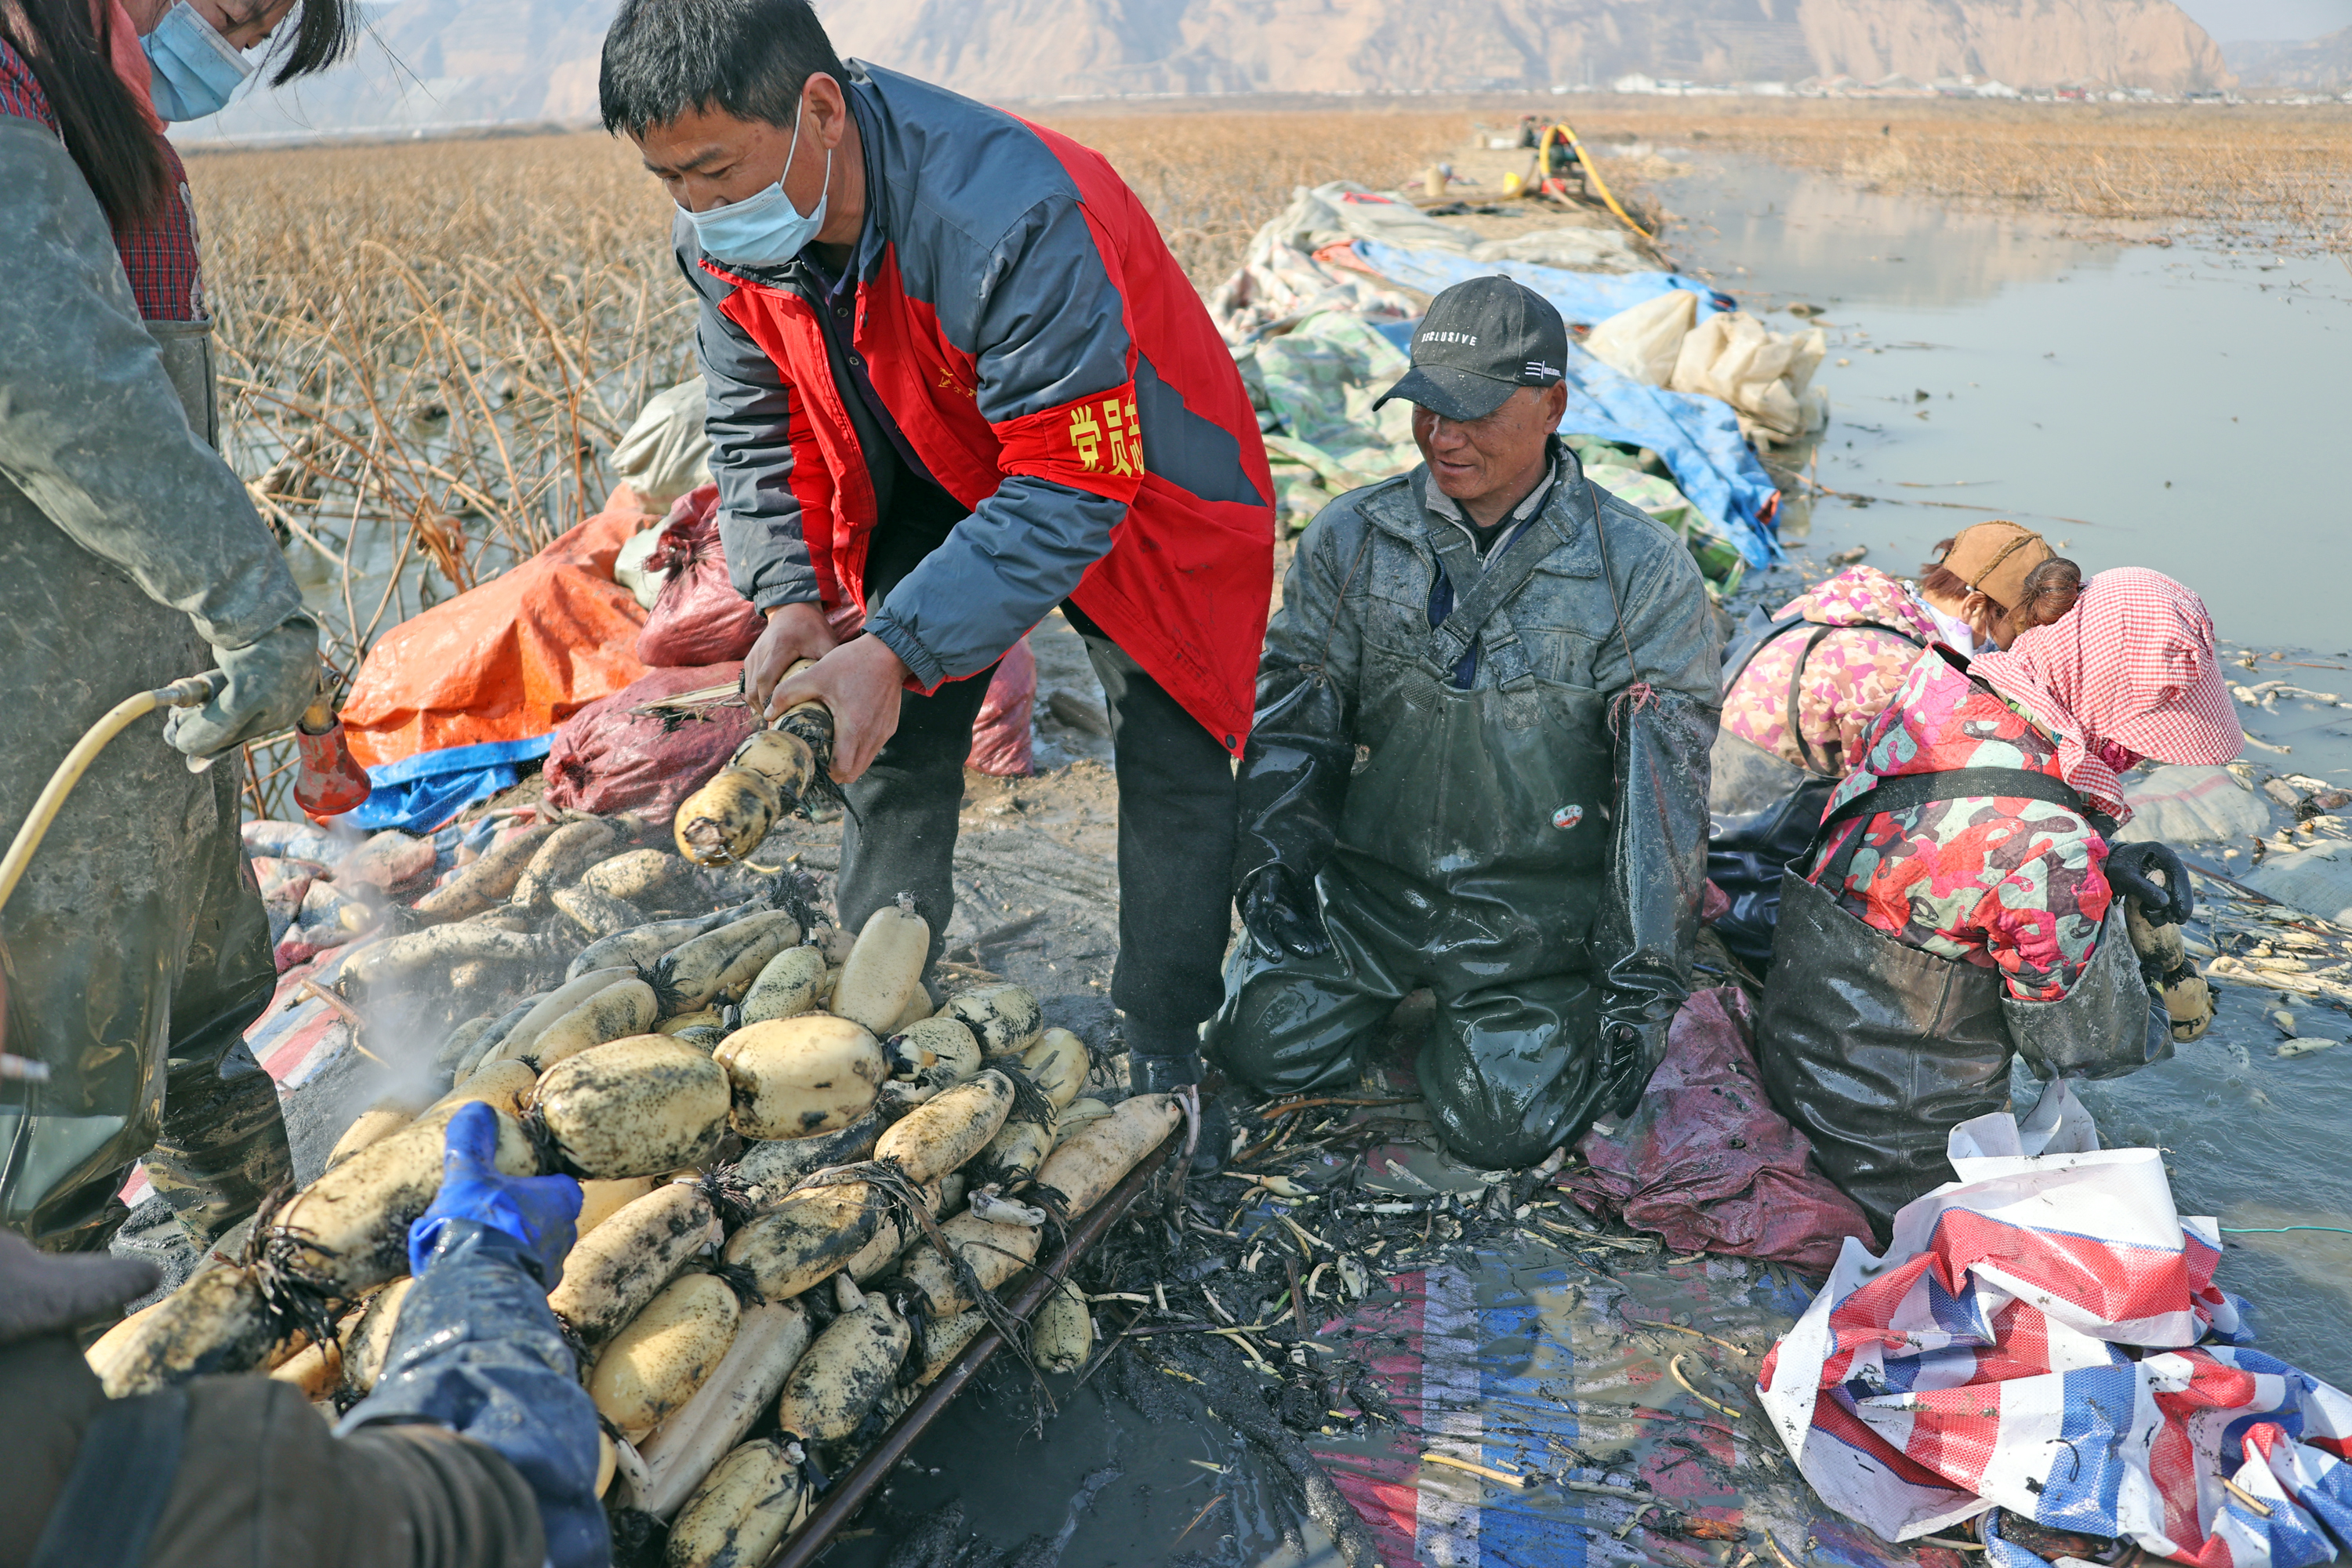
{"x":2279,"y":1229}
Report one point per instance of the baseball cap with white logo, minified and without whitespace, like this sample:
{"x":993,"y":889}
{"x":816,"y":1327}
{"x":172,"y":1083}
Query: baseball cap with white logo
{"x":1481,"y":341}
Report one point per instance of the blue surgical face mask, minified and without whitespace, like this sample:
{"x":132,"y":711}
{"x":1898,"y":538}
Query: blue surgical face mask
{"x":765,"y":230}
{"x":192,"y":69}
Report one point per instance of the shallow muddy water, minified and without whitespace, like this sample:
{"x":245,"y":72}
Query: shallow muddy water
{"x":2068,"y":381}
{"x":2176,"y":406}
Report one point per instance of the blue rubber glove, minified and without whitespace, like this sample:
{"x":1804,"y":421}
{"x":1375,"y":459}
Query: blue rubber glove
{"x":475,"y":1350}
{"x":541,"y":1212}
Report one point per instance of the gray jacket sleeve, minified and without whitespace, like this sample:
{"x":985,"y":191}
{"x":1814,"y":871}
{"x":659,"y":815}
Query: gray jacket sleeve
{"x":92,"y":429}
{"x":748,"y":420}
{"x":1051,"y":329}
{"x":1665,"y":708}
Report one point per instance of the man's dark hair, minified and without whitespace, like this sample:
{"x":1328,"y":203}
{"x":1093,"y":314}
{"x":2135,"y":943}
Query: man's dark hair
{"x":749,"y":58}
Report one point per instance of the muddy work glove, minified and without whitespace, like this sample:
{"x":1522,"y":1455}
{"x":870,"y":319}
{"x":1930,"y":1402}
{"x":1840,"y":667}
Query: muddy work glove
{"x":1629,"y":1055}
{"x":541,"y":1212}
{"x":1282,"y":913}
{"x":1291,"y":789}
{"x":2131,"y":868}
{"x":270,"y":681}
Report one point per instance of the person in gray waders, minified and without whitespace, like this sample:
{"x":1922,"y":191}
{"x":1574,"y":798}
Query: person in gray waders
{"x":1967,"y":902}
{"x":136,"y":948}
{"x":1480,"y":764}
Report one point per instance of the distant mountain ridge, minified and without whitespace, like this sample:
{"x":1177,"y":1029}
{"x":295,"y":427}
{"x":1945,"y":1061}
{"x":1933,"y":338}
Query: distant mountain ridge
{"x":465,"y":62}
{"x":1113,"y":47}
{"x":2321,"y":63}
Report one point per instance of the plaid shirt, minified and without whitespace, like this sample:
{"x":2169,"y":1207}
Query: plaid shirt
{"x":159,"y":254}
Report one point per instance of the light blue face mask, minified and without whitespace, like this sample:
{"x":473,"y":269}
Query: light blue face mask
{"x":765,"y":230}
{"x":192,"y":69}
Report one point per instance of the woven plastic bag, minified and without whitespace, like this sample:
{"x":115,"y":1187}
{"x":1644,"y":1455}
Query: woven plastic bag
{"x":609,"y":758}
{"x":698,"y":617}
{"x":1003,"y":736}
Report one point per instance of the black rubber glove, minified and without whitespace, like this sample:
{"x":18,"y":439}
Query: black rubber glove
{"x":1283,"y":914}
{"x":2170,"y":903}
{"x":1628,"y":1057}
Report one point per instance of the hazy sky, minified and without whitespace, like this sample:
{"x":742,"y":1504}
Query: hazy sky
{"x":2231,"y":20}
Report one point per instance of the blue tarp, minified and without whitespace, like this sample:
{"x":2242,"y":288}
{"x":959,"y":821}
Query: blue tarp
{"x":1587,"y":297}
{"x":420,"y":792}
{"x":1698,"y":438}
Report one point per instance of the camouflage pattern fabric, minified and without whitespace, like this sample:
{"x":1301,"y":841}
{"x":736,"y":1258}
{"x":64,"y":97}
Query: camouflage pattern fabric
{"x":2017,"y":885}
{"x":1613,"y":469}
{"x":1848,"y":678}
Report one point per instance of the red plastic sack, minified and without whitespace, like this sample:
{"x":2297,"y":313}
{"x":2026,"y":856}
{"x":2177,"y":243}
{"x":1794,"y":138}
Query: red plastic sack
{"x":607,"y":759}
{"x":699,"y":618}
{"x":1708,"y":1163}
{"x":510,"y":658}
{"x":1002,"y":735}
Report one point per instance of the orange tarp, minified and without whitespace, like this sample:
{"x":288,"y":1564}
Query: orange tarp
{"x":512,"y":659}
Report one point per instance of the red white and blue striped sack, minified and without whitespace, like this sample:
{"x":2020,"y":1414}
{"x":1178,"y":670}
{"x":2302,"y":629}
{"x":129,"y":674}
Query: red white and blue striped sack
{"x":2043,"y":1336}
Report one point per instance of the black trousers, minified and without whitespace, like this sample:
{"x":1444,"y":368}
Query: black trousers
{"x":1176,"y":818}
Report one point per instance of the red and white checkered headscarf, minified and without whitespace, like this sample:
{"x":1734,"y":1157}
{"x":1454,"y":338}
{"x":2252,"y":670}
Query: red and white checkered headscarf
{"x":2132,"y":665}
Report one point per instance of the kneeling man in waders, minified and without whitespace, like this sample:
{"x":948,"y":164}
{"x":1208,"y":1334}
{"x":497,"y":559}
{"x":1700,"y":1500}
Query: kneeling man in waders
{"x":1480,"y":764}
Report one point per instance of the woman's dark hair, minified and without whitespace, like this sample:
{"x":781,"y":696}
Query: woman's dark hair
{"x":2050,"y":591}
{"x":747,"y":58}
{"x":106,"y":133}
{"x":324,"y":32}
{"x":70,"y":53}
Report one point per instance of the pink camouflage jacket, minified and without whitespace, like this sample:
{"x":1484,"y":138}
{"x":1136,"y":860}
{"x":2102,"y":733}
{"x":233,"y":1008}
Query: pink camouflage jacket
{"x":2015,"y":884}
{"x":1849,"y":678}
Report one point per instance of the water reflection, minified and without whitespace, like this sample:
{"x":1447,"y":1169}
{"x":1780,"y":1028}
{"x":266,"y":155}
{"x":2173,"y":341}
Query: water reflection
{"x":2176,"y":407}
{"x":1763,"y":228}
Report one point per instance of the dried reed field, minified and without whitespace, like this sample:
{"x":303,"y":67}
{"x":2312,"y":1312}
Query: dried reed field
{"x":426,"y":349}
{"x":2264,"y":172}
{"x":430,"y":347}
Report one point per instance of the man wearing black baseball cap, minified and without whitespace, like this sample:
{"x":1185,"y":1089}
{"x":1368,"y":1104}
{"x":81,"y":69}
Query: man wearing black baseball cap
{"x":1480,"y":764}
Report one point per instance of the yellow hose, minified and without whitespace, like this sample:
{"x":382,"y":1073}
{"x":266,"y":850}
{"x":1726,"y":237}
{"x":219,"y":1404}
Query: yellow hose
{"x":1567,"y":132}
{"x":187,"y":693}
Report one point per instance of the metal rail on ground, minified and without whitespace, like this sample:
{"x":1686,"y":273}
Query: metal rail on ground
{"x":840,"y":1504}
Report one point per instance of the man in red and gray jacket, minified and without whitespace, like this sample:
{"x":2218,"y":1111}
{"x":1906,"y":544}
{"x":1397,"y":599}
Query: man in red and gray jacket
{"x":957,"y":380}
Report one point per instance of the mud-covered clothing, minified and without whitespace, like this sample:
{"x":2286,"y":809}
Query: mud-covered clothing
{"x":159,"y":253}
{"x":1037,"y":352}
{"x":137,"y":946}
{"x":2008,"y":883}
{"x":1848,"y":677}
{"x":477,"y":1430}
{"x":1524,"y":831}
